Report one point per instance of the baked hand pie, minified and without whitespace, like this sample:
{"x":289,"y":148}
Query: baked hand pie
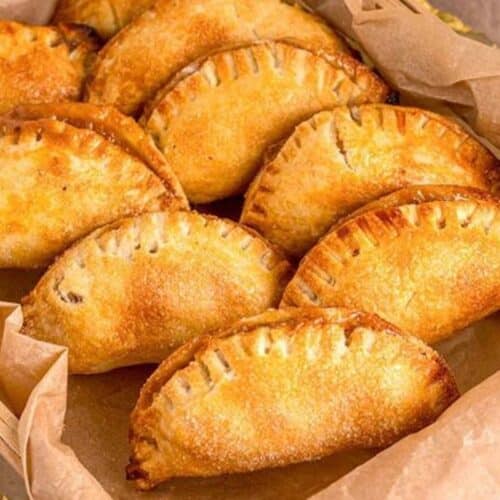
{"x":132,"y":292}
{"x":281,"y":388}
{"x":149,"y":51}
{"x":426,"y":258}
{"x":214,"y":124}
{"x":107,"y":17}
{"x":116,"y":128}
{"x":341,"y":159}
{"x":43,"y":63}
{"x":59,"y":183}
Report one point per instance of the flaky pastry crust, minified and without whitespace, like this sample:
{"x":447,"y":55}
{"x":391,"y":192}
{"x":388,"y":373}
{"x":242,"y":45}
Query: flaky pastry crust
{"x":42,"y":63}
{"x":132,"y":68}
{"x":116,"y":128}
{"x":58,"y":183}
{"x":132,"y":292}
{"x":281,"y":388}
{"x":214,"y":124}
{"x":339,"y":160}
{"x":107,"y":17}
{"x":428,"y":263}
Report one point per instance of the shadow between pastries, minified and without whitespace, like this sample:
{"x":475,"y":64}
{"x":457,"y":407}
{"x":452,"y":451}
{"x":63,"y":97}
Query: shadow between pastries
{"x":339,"y":160}
{"x":425,"y":258}
{"x":107,"y":17}
{"x":216,"y":119}
{"x":59,"y":183}
{"x":133,"y":291}
{"x":43,"y":63}
{"x":131,"y":68}
{"x":284,"y":387}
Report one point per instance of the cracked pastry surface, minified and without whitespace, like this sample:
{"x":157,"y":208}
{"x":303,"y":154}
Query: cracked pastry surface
{"x":59,"y":182}
{"x":116,"y":128}
{"x":107,"y":17}
{"x":214,"y":124}
{"x":133,"y":291}
{"x":426,"y":258}
{"x":339,"y":160}
{"x":128,"y":71}
{"x":283,"y":387}
{"x":43,"y":63}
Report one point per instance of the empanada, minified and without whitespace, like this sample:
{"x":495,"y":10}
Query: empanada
{"x":338,"y":160}
{"x":116,"y":128}
{"x":281,"y":388}
{"x":427,"y":259}
{"x":214,"y":124}
{"x":146,"y":53}
{"x":42,"y":63}
{"x":107,"y":17}
{"x":135,"y":290}
{"x":58,"y":183}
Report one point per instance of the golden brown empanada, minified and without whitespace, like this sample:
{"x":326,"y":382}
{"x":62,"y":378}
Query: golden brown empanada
{"x":338,"y":160}
{"x":107,"y":17}
{"x":214,"y":124}
{"x":146,"y":53}
{"x":116,"y":128}
{"x":58,"y":183}
{"x":281,"y":388}
{"x":424,"y":259}
{"x":135,"y":290}
{"x":42,"y":63}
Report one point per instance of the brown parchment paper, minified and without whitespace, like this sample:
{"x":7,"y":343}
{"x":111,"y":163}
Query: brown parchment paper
{"x":81,"y":455}
{"x":421,"y":56}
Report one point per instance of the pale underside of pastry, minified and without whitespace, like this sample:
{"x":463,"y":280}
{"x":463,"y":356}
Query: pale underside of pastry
{"x":132,"y":292}
{"x":116,"y":128}
{"x":215,"y":124}
{"x":58,"y":183}
{"x":339,"y":160}
{"x":426,"y":259}
{"x":151,"y":49}
{"x":42,"y":63}
{"x":281,"y":388}
{"x":107,"y":17}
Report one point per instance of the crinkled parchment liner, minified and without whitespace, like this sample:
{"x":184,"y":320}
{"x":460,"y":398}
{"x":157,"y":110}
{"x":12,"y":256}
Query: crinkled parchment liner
{"x":457,"y":457}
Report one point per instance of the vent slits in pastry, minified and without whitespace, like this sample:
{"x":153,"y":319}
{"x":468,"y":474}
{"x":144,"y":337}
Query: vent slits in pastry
{"x":131,"y":292}
{"x":209,"y":123}
{"x":425,"y":258}
{"x":308,"y":383}
{"x":339,"y":160}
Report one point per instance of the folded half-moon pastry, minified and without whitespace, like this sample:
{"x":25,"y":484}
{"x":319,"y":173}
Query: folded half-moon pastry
{"x":341,"y":159}
{"x":107,"y":17}
{"x":133,"y":291}
{"x":116,"y":128}
{"x":146,"y":53}
{"x":426,"y":258}
{"x":281,"y":388}
{"x":42,"y":63}
{"x":58,"y":183}
{"x":214,"y":124}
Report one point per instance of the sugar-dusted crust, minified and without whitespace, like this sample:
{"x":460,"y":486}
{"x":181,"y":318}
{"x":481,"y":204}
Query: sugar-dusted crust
{"x":132,"y":68}
{"x":214,"y":125}
{"x":429,"y":267}
{"x":135,"y":290}
{"x":116,"y":128}
{"x":58,"y":183}
{"x":282,"y":388}
{"x":107,"y":17}
{"x":43,"y":64}
{"x":339,"y":160}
